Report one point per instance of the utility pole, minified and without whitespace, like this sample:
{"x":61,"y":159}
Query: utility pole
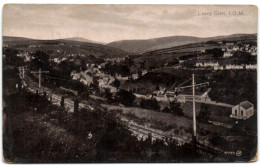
{"x":194,"y":112}
{"x":40,"y":73}
{"x":193,"y":100}
{"x":22,"y":70}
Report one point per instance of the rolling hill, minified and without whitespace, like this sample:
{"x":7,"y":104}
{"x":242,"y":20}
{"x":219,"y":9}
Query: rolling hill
{"x":62,"y":47}
{"x":82,"y":40}
{"x":140,"y":46}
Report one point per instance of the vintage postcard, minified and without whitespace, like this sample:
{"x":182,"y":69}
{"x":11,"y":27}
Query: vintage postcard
{"x":129,"y":83}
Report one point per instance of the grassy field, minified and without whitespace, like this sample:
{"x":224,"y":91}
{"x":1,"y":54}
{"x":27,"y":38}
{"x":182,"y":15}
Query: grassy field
{"x":217,"y":113}
{"x":182,"y":122}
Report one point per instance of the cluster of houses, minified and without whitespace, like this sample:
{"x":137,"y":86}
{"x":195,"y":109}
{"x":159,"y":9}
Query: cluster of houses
{"x":207,"y":64}
{"x":231,"y":48}
{"x":134,"y":76}
{"x":25,"y":55}
{"x":236,"y":67}
{"x":216,"y":66}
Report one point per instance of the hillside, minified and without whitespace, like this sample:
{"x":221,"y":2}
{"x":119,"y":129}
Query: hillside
{"x":140,"y":46}
{"x":82,"y":40}
{"x":62,"y":47}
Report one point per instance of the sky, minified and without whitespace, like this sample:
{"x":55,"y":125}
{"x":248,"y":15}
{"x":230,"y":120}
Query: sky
{"x":108,"y":23}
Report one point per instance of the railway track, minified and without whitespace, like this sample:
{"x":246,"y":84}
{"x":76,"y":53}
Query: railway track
{"x":137,"y":130}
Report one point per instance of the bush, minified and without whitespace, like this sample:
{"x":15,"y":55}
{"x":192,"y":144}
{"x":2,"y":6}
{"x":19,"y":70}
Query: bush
{"x":124,"y":97}
{"x":150,"y":104}
{"x":175,"y":108}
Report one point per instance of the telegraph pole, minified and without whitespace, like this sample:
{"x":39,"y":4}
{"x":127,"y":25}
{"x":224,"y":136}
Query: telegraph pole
{"x":22,"y":70}
{"x":193,"y":100}
{"x":40,"y":73}
{"x":194,"y":112}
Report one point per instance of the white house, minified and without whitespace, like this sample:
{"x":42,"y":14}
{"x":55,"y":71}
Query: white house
{"x":253,"y":52}
{"x":218,"y":67}
{"x":250,"y":66}
{"x":243,"y":110}
{"x":227,"y":54}
{"x":198,"y":64}
{"x":135,"y":76}
{"x":235,"y":48}
{"x":234,"y":66}
{"x":86,"y":79}
{"x":210,"y":64}
{"x":64,"y":59}
{"x":56,"y":60}
{"x":230,"y":44}
{"x":144,"y":72}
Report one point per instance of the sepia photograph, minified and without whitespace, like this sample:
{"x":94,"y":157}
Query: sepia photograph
{"x":121,"y":83}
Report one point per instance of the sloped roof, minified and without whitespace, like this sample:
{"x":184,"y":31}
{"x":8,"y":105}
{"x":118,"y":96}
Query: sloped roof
{"x":246,"y":104}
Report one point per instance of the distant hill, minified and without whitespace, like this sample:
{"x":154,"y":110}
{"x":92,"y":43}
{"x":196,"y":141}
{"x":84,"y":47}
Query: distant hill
{"x":10,"y":38}
{"x":140,"y":46}
{"x":82,"y":40}
{"x":62,"y":47}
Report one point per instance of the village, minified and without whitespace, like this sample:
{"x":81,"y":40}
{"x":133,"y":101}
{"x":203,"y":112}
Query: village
{"x":160,"y":99}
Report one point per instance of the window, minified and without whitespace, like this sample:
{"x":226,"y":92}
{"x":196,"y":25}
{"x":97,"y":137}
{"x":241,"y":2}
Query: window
{"x":242,"y":113}
{"x":235,"y":112}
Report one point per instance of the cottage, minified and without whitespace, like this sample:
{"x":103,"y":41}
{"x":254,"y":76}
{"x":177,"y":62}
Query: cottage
{"x":211,"y":64}
{"x":218,"y":67}
{"x":56,"y":60}
{"x":135,"y":76}
{"x":144,"y":72}
{"x":75,"y":76}
{"x":250,"y":66}
{"x":243,"y":110}
{"x":235,"y":48}
{"x":198,"y":64}
{"x":160,"y":91}
{"x":234,"y":66}
{"x":86,"y":79}
{"x":227,"y":54}
{"x":230,"y":44}
{"x":253,"y":52}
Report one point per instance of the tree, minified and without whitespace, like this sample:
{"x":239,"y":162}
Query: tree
{"x":41,"y":60}
{"x":124,"y":97}
{"x":117,"y":83}
{"x":175,"y":108}
{"x":108,"y":95}
{"x":204,"y":113}
{"x":95,"y":85}
{"x":216,"y":52}
{"x":150,"y":104}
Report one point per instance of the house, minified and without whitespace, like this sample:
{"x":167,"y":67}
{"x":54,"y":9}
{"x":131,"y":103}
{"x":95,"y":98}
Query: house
{"x":144,"y":72}
{"x":135,"y":76}
{"x":243,"y":110}
{"x":75,"y":76}
{"x":250,"y":66}
{"x":218,"y":67}
{"x":235,"y":48}
{"x":85,"y":79}
{"x":56,"y":60}
{"x":230,"y":44}
{"x":119,"y":77}
{"x":160,"y":91}
{"x":253,"y":52}
{"x":234,"y":67}
{"x":210,"y":64}
{"x":198,"y":64}
{"x":227,"y":54}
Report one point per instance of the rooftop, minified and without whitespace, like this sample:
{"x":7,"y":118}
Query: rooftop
{"x":246,"y":104}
